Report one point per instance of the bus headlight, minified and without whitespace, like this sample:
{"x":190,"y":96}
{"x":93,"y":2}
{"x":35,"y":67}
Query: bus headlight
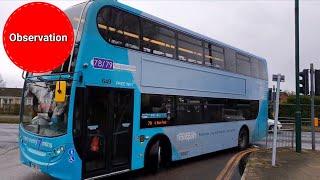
{"x":57,"y":151}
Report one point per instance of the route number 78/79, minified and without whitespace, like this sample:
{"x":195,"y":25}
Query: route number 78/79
{"x":102,"y":63}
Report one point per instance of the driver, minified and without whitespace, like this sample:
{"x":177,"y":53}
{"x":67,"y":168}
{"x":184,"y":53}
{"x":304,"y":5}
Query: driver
{"x":58,"y":113}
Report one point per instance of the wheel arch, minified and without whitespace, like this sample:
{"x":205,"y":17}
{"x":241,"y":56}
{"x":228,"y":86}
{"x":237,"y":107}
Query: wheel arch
{"x":164,"y":140}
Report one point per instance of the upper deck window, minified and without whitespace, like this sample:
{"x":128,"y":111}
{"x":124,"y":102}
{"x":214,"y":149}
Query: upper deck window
{"x":119,"y":27}
{"x":243,"y":64}
{"x":263,"y":71}
{"x":213,"y":56}
{"x":190,"y":49}
{"x":255,"y":68}
{"x":158,"y":40}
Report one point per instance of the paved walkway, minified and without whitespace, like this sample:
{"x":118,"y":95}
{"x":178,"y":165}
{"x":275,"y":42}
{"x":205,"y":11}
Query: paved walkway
{"x":289,"y":165}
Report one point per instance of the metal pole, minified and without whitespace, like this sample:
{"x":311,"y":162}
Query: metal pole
{"x":312,"y":105}
{"x":298,"y":111}
{"x":275,"y":127}
{"x":273,"y":101}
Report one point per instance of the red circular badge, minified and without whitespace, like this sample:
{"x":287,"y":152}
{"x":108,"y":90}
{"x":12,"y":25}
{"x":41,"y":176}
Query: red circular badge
{"x":38,"y":37}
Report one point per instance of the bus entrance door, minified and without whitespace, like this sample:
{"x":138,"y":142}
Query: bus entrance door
{"x":121,"y":129}
{"x":109,"y":115}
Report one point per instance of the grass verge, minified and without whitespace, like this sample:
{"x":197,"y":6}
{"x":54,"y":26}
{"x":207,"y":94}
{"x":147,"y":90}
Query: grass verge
{"x":9,"y":119}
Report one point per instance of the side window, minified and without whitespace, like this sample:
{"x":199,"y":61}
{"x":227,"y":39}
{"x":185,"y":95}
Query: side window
{"x":157,"y":110}
{"x":158,"y":40}
{"x":254,"y":109}
{"x":189,"y":110}
{"x":236,"y":110}
{"x":255,"y":68}
{"x":230,"y":60}
{"x":213,"y":110}
{"x":213,"y":56}
{"x":190,"y":49}
{"x":119,"y":27}
{"x":243,"y":65}
{"x":263,"y":74}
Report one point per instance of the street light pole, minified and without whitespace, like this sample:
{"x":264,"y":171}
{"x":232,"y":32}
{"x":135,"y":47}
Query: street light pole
{"x":298,"y":110}
{"x":279,"y":78}
{"x":312,"y":106}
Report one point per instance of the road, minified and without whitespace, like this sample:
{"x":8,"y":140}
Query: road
{"x":204,"y":167}
{"x":8,"y":137}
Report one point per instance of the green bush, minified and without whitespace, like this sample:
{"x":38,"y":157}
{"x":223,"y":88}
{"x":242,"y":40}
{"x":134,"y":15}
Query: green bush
{"x":289,"y":110}
{"x":303,"y":100}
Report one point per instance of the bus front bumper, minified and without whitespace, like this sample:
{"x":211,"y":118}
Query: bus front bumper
{"x":64,"y":166}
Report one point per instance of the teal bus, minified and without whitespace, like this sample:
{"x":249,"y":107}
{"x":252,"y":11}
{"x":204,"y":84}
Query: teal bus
{"x":136,"y":92}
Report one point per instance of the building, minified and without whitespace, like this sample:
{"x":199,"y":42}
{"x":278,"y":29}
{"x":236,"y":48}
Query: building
{"x":12,"y":96}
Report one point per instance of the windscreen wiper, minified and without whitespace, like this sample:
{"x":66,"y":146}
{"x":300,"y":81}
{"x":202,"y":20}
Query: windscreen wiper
{"x":42,"y":79}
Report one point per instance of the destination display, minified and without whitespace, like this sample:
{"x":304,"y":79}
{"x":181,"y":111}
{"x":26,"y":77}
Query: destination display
{"x":154,"y":120}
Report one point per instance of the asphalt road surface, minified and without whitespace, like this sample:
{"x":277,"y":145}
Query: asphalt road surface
{"x":8,"y":137}
{"x":203,"y":167}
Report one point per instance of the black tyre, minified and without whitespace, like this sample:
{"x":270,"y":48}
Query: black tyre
{"x":155,"y":157}
{"x":243,"y":139}
{"x":271,"y":127}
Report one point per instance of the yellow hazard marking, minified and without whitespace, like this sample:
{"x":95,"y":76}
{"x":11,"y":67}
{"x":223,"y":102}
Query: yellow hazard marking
{"x":227,"y":172}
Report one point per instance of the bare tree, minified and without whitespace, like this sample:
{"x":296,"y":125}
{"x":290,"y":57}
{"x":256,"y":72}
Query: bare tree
{"x":2,"y":82}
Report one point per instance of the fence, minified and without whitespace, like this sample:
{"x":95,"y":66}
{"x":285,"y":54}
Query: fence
{"x":285,"y":136}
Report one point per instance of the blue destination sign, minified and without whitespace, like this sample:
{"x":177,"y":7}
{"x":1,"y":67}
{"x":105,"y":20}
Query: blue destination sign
{"x":100,"y":63}
{"x":154,"y":115}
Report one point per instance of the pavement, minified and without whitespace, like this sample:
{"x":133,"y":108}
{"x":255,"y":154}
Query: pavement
{"x":289,"y":165}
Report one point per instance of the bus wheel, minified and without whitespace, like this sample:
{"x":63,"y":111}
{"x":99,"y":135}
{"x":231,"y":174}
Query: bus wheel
{"x":155,"y":157}
{"x":243,"y":139}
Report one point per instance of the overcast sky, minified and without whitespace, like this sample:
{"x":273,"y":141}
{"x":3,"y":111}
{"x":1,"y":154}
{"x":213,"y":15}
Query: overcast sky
{"x":264,"y":28}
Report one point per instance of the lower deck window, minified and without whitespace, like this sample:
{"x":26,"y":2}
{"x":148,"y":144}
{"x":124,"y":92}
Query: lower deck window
{"x":167,"y":110}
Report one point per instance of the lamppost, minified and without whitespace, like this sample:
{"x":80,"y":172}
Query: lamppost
{"x":278,"y":78}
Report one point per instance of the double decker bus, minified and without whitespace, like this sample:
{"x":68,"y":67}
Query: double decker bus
{"x":137,"y":92}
